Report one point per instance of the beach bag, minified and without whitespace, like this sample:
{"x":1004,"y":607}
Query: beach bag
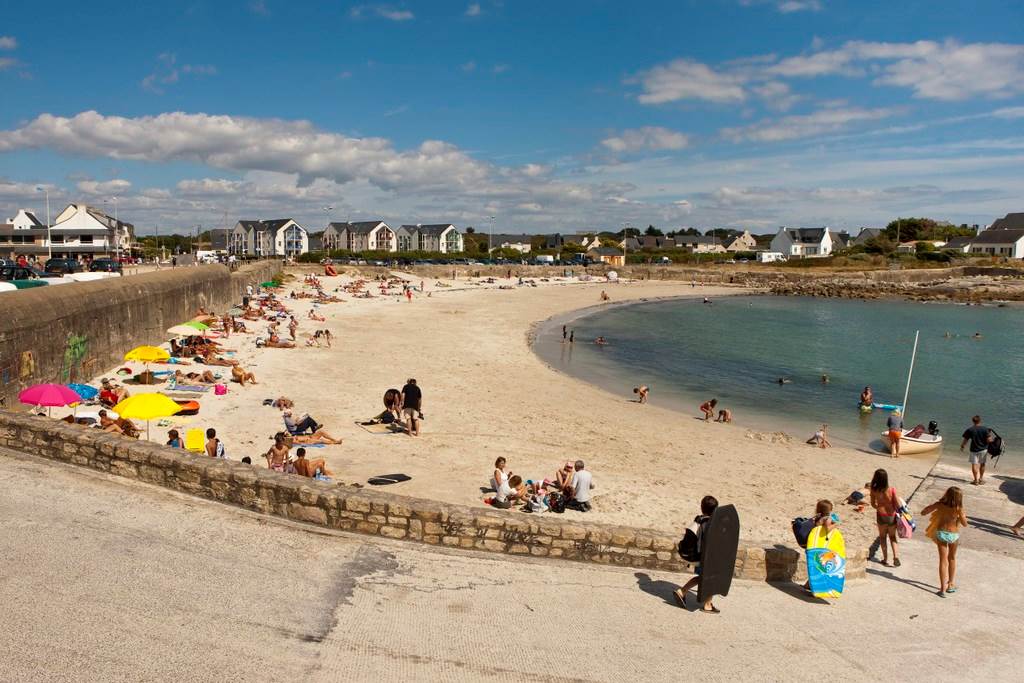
{"x":557,"y":503}
{"x":995,"y":445}
{"x":802,"y":527}
{"x":689,"y":546}
{"x":220,"y":390}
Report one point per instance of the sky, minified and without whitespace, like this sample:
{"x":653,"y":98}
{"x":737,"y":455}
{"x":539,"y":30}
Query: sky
{"x":548,"y":116}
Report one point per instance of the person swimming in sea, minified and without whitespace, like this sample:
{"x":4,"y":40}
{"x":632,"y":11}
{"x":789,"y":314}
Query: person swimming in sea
{"x":601,"y":341}
{"x":824,"y":379}
{"x":783,"y":380}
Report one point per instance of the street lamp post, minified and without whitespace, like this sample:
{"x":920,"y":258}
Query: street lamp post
{"x":625,"y":236}
{"x":327,"y":216}
{"x":117,"y":232}
{"x":49,"y":242}
{"x":490,"y":234}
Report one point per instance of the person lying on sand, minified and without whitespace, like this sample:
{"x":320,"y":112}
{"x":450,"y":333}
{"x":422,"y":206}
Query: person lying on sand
{"x":210,"y":359}
{"x":239,"y":374}
{"x":319,"y":436}
{"x":275,"y":342}
{"x":204,"y":377}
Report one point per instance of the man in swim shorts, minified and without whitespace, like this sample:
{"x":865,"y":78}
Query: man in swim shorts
{"x":978,"y":436}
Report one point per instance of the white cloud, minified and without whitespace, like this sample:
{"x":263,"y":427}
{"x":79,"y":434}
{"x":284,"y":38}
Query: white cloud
{"x":500,"y":68}
{"x":652,"y":138}
{"x":8,"y":43}
{"x":473,"y":10}
{"x":168,"y":72}
{"x":259,"y":7}
{"x":787,"y":6}
{"x":776,"y":94}
{"x":7,"y":63}
{"x":108,"y":187}
{"x":826,"y":120}
{"x":683,"y":79}
{"x":468,"y":66}
{"x":388,"y":12}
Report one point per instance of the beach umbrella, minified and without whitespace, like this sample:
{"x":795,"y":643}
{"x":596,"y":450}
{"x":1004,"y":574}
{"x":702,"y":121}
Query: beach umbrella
{"x":196,"y":325}
{"x":182,"y":330}
{"x":147,"y":407}
{"x":147,"y":354}
{"x":236,"y":311}
{"x":48,"y":395}
{"x":268,"y":284}
{"x":84,"y":390}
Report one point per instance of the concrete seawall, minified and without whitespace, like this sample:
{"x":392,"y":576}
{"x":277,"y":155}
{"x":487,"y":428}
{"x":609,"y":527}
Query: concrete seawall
{"x":337,"y":506}
{"x":69,"y":333}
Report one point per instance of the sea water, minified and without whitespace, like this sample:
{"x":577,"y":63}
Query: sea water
{"x":736,"y":348}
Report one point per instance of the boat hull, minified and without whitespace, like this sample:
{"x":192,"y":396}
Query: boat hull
{"x":913,"y":445}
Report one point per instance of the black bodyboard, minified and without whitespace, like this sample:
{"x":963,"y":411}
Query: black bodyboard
{"x":385,"y":479}
{"x":718,"y":555}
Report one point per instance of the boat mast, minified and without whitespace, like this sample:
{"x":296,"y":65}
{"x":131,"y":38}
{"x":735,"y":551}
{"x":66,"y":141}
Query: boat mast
{"x":913,"y":357}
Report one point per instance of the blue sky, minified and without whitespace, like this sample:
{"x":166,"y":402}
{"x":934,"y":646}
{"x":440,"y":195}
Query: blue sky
{"x":551,"y":116}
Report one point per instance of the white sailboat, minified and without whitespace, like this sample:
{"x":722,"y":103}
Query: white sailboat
{"x":922,"y":443}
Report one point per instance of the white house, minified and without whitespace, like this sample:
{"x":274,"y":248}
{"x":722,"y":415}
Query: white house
{"x":442,"y":237}
{"x":800,"y":242}
{"x":278,"y":237}
{"x":366,"y":236}
{"x":744,"y":242}
{"x":699,"y":244}
{"x":1004,"y":242}
{"x":80,"y":229}
{"x":521,"y":243}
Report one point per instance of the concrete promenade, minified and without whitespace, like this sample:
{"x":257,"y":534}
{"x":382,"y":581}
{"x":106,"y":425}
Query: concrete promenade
{"x":110,"y":579}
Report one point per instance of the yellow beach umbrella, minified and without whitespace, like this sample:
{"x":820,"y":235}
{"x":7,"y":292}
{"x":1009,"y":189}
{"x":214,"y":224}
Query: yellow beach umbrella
{"x":147,"y":407}
{"x":147,"y":354}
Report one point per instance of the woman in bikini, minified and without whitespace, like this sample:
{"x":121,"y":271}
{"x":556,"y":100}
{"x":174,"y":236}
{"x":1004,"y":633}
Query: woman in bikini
{"x":319,"y":436}
{"x":947,"y":518}
{"x":883,"y":500}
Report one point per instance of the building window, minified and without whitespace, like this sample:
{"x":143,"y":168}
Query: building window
{"x":85,"y":239}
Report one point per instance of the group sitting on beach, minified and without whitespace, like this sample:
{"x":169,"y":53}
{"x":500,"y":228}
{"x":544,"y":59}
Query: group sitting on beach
{"x":570,"y":488}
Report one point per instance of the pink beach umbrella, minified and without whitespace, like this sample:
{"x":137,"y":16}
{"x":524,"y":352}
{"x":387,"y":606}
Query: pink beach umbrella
{"x":48,"y":395}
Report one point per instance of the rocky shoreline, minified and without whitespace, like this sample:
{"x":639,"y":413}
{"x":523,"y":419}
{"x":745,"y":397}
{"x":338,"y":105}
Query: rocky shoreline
{"x":962,"y":289}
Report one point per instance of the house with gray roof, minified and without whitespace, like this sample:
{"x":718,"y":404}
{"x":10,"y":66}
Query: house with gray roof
{"x":262,"y":238}
{"x":443,"y":238}
{"x":1011,"y":221}
{"x":803,"y":242}
{"x":362,"y":236}
{"x":866,"y":234}
{"x":1006,"y":242}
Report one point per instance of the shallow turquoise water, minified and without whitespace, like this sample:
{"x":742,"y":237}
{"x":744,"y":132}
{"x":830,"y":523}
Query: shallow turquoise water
{"x":737,"y":347}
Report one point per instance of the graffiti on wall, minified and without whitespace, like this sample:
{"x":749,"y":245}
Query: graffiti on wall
{"x":75,"y":348}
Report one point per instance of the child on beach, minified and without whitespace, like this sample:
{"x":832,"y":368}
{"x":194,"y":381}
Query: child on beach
{"x":708,"y":408}
{"x":947,"y":517}
{"x":884,"y":500}
{"x":820,"y":438}
{"x":642,"y":392}
{"x":708,"y":504}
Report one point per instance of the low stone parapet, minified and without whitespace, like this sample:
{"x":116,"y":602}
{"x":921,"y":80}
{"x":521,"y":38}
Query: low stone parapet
{"x":347,"y":508}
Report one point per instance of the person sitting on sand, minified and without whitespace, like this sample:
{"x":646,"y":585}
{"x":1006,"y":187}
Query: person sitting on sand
{"x":500,"y":476}
{"x":641,"y":391}
{"x":309,"y":468}
{"x":604,"y":296}
{"x":239,"y":374}
{"x":282,"y":402}
{"x":312,"y":315}
{"x":511,"y":492}
{"x":109,"y":424}
{"x":277,"y":456}
{"x":724,"y":415}
{"x":820,"y":438}
{"x":214,"y":446}
{"x":174,"y":439}
{"x":111,"y":394}
{"x":563,"y":477}
{"x":204,"y":377}
{"x":708,"y":408}
{"x":582,"y":483}
{"x":306,"y":424}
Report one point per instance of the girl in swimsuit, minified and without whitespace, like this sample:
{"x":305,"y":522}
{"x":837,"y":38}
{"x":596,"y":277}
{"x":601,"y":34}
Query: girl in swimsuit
{"x":883,"y":499}
{"x":944,"y":528}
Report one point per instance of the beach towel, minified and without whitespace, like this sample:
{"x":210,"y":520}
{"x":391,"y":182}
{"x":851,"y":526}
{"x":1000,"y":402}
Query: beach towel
{"x":195,"y":388}
{"x":195,"y":440}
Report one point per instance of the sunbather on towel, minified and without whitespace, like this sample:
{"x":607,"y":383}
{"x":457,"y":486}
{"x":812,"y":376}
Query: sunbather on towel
{"x":239,"y":375}
{"x":204,"y":377}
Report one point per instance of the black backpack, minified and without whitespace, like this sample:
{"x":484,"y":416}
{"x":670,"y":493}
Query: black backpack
{"x":689,"y":547}
{"x":802,"y":528}
{"x":995,"y":445}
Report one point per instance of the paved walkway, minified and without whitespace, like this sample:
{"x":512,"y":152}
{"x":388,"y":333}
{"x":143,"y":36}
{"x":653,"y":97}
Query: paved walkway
{"x":108,"y":579}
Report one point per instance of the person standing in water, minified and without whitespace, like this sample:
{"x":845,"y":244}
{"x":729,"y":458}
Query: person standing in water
{"x":866,"y":397}
{"x":895,"y":426}
{"x":572,"y":336}
{"x":564,"y":334}
{"x":947,"y":518}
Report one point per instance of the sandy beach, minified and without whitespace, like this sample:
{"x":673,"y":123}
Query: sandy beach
{"x":486,"y":395}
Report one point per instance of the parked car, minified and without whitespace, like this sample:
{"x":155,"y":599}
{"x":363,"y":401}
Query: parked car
{"x":63,"y":266}
{"x":15,"y":273}
{"x":105,"y":265}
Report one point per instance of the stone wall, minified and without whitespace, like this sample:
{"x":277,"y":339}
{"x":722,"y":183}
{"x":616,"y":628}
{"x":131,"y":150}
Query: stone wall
{"x":68,"y":333}
{"x":374,"y":512}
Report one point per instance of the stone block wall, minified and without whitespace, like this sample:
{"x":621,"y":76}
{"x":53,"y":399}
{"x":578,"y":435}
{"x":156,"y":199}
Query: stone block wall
{"x":68,"y":333}
{"x":343,"y":507}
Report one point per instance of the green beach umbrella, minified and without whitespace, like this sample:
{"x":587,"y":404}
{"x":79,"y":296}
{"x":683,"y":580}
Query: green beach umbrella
{"x":195,"y":324}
